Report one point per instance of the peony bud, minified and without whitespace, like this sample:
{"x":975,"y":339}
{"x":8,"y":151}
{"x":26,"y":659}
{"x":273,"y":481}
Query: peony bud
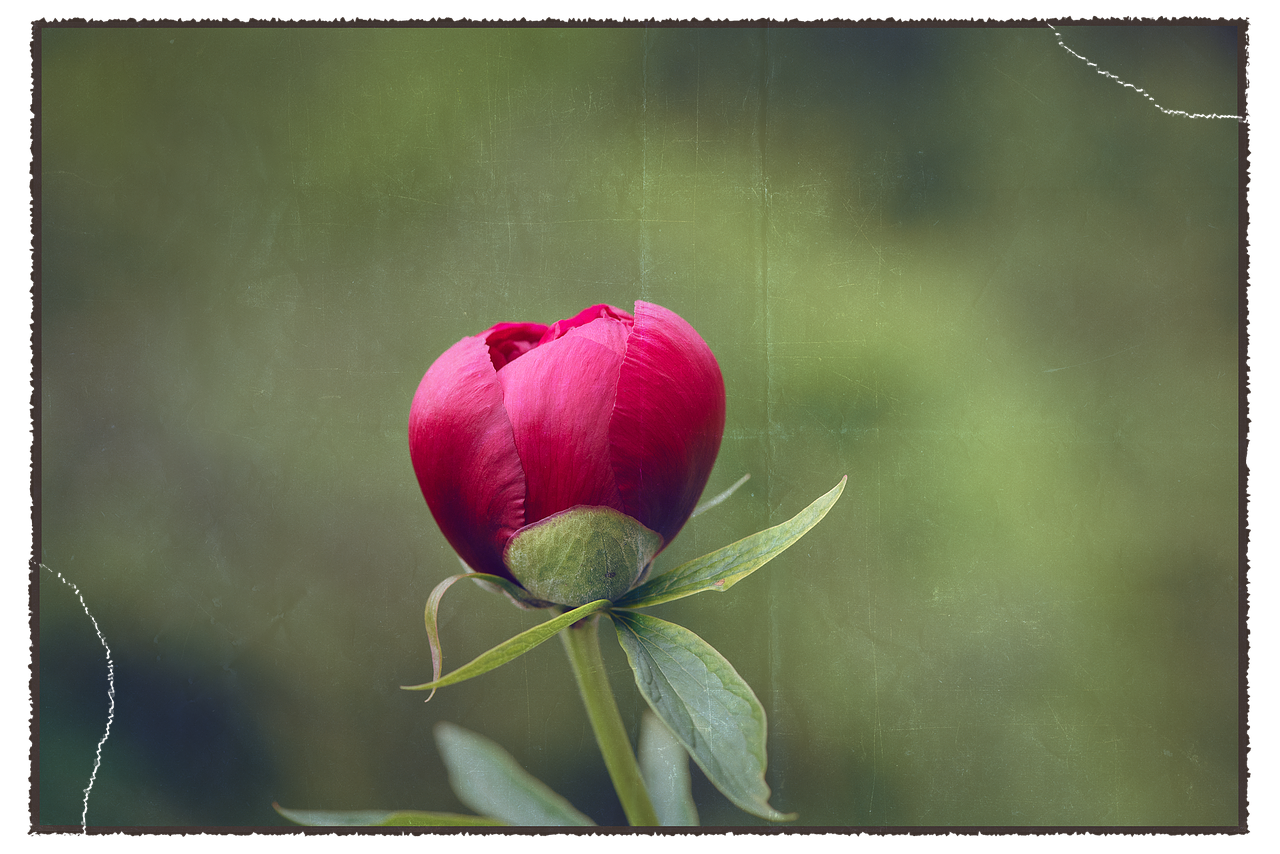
{"x":565,"y":457}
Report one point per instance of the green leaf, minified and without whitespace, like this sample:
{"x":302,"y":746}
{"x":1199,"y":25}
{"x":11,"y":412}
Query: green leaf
{"x":491,"y":582}
{"x":664,"y":765}
{"x":705,"y":704}
{"x":725,"y":567}
{"x":488,"y":780}
{"x":505,"y":651}
{"x":384,"y":818}
{"x":704,"y":506}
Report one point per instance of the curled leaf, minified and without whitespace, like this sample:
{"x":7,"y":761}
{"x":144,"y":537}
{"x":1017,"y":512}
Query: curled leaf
{"x":503,"y":652}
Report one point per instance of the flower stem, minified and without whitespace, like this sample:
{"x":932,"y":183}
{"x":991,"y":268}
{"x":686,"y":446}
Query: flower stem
{"x":582,"y":644}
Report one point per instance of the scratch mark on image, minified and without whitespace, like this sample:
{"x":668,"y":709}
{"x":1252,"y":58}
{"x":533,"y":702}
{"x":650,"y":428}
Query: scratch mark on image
{"x":110,"y":712}
{"x":1090,"y":362}
{"x":1138,"y":88}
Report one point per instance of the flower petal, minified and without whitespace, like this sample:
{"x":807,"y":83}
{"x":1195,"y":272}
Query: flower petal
{"x":584,"y":318}
{"x":668,"y":418}
{"x":464,"y":454}
{"x":559,"y":397}
{"x":507,"y":341}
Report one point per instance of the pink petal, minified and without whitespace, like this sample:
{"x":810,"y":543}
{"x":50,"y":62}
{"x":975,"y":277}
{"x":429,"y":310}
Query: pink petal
{"x":464,"y":453}
{"x":559,"y":397}
{"x":668,"y":418}
{"x":584,"y":317}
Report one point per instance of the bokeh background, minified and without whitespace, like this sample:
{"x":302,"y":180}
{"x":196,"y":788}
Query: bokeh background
{"x":996,"y":289}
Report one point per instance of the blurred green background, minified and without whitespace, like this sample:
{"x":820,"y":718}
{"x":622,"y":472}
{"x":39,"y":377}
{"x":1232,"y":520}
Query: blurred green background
{"x":996,"y":289}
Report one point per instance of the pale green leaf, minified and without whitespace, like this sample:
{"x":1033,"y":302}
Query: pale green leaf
{"x":705,"y":704}
{"x":704,"y":506}
{"x":491,"y":582}
{"x":488,"y":780}
{"x":723,"y":568}
{"x":509,"y":649}
{"x":664,"y":765}
{"x":384,"y":818}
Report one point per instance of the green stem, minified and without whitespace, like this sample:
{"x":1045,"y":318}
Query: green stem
{"x":582,"y":644}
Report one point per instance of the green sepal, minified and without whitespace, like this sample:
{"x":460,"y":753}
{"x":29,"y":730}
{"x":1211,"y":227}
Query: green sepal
{"x":705,"y":703}
{"x":505,"y":651}
{"x":581,"y":554}
{"x":725,"y":567}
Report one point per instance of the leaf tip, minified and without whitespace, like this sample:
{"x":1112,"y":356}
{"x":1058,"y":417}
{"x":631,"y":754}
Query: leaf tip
{"x":422,"y":687}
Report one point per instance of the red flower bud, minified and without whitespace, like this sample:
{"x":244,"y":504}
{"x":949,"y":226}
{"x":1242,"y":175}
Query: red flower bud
{"x":603,"y":409}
